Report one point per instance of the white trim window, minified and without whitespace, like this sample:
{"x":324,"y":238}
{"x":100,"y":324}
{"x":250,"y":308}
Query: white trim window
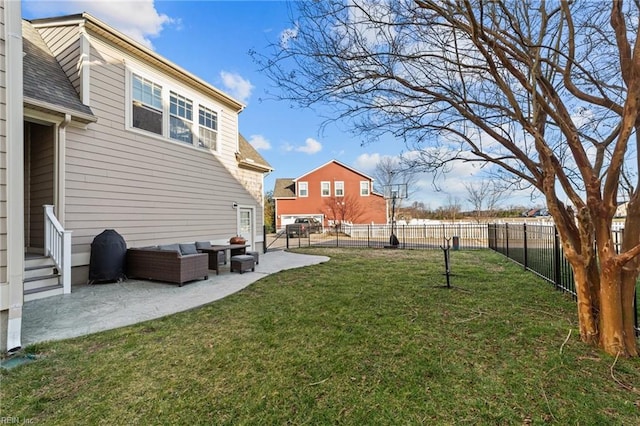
{"x":208,"y":120}
{"x":364,"y":188}
{"x":180,"y":118}
{"x":325,"y":189}
{"x":303,"y":189}
{"x":160,"y":107}
{"x":339,"y":188}
{"x":146,"y":105}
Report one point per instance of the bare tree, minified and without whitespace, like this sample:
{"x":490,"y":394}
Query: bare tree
{"x":545,"y":93}
{"x":390,"y":170}
{"x":343,"y":209}
{"x":484,"y":198}
{"x":451,"y":210}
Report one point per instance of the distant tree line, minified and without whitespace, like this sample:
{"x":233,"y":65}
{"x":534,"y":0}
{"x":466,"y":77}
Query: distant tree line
{"x":453,"y":211}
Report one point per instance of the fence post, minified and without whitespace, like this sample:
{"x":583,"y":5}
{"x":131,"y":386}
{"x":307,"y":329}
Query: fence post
{"x":525,"y":257}
{"x":488,"y":235}
{"x":506,"y":239}
{"x":617,"y":241}
{"x":368,"y":236}
{"x":492,"y":236}
{"x":264,"y":238}
{"x":556,"y":257}
{"x":286,"y":231}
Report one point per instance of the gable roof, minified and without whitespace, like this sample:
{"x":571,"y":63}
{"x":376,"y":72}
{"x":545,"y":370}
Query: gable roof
{"x":137,"y":49}
{"x":46,"y":86}
{"x":339,"y":164}
{"x":284,"y":188}
{"x":248,"y":157}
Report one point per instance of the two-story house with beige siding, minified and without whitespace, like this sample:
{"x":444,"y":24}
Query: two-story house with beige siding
{"x":117,"y":137}
{"x":331,"y":193}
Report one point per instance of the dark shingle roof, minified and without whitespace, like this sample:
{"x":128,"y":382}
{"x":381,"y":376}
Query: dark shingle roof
{"x":249,"y":157}
{"x":44,"y":78}
{"x":284,"y":188}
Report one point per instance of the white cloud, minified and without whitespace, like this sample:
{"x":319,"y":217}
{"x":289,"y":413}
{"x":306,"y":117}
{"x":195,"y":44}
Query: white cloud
{"x":367,"y":162}
{"x":311,"y":146}
{"x":138,"y":19}
{"x":259,"y":142}
{"x":237,"y":86}
{"x":286,"y":35}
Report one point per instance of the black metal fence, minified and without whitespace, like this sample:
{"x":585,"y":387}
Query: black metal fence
{"x":458,"y":235}
{"x":538,"y":249}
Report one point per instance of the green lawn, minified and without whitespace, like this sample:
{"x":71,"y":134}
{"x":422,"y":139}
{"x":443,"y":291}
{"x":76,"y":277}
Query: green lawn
{"x":370,"y":337}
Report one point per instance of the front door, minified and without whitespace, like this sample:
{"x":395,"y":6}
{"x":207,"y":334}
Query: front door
{"x":39,"y":181}
{"x":246,"y":225}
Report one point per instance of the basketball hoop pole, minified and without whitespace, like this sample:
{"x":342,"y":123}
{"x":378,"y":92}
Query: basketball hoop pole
{"x":394,"y":192}
{"x":393,"y":240}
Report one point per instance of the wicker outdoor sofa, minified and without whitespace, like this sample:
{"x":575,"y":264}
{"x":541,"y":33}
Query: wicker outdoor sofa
{"x":175,"y":263}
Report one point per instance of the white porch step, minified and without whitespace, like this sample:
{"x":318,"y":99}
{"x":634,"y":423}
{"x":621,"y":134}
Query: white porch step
{"x":39,"y":271}
{"x":41,"y":281}
{"x":41,"y":278}
{"x":43,"y":292}
{"x":33,"y":261}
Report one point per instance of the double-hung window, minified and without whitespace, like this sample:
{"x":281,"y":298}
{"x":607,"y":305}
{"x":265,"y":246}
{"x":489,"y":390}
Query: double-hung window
{"x":364,"y":188}
{"x":158,"y":105}
{"x":180,"y":118}
{"x":303,"y":189}
{"x":146,"y":106}
{"x":325,"y":189}
{"x":208,"y":120}
{"x":339,"y":187}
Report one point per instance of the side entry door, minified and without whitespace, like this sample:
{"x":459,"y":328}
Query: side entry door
{"x":246,"y":225}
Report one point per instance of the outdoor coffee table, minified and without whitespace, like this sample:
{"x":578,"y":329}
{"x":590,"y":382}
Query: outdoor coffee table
{"x":234,"y":249}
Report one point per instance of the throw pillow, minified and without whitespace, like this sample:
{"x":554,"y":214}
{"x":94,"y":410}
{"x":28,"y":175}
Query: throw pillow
{"x":202,"y":244}
{"x":170,"y":247}
{"x":189,"y":248}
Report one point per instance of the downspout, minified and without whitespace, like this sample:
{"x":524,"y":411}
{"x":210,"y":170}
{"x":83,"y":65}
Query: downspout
{"x":61,"y":168}
{"x":15,"y":172}
{"x":61,"y":164}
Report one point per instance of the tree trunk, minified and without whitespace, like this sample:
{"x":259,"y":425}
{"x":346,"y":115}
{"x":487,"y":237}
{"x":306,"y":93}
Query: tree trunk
{"x":628,"y":280}
{"x":629,"y":274}
{"x":605,"y":293}
{"x":587,"y":321}
{"x":611,"y":324}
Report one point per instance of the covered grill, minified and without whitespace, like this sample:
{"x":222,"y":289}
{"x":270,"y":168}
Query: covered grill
{"x":108,"y":256}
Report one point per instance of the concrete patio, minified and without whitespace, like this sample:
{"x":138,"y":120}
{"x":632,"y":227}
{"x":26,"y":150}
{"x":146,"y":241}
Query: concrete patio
{"x":98,"y":307}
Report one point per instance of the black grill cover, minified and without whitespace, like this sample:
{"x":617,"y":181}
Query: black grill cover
{"x":108,"y":256}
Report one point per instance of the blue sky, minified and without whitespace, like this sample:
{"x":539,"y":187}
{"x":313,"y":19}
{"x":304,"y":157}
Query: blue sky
{"x":211,"y":39}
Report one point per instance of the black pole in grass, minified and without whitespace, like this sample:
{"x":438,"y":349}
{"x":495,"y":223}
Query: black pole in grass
{"x":447,"y":270}
{"x":447,"y":266}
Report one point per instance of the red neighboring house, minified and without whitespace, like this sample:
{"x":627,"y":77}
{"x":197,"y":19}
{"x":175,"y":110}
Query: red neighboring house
{"x":330,"y":193}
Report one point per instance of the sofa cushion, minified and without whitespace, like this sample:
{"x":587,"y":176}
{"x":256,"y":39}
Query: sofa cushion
{"x":170,"y":247}
{"x":202,"y":244}
{"x":189,"y":248}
